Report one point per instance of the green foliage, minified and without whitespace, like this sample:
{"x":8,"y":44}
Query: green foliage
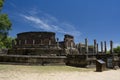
{"x":5,"y":23}
{"x":42,"y":69}
{"x":7,"y":43}
{"x":1,"y":4}
{"x":117,"y":49}
{"x":5,"y":26}
{"x":108,"y":52}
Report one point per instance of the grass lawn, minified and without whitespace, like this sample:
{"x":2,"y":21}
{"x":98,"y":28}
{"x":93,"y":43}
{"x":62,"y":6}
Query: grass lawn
{"x":43,"y":69}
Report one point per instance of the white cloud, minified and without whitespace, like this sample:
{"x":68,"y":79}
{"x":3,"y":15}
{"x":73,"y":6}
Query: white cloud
{"x":43,"y":21}
{"x":49,"y":23}
{"x":38,"y":22}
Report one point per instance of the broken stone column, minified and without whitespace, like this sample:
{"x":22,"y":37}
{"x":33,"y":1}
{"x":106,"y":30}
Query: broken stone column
{"x":13,"y":43}
{"x":86,"y":46}
{"x":49,"y":42}
{"x":111,"y":47}
{"x":105,"y":46}
{"x":19,"y":42}
{"x":80,"y":48}
{"x":41,"y":42}
{"x":71,"y":44}
{"x":95,"y":47}
{"x":57,"y":42}
{"x":33,"y":42}
{"x":25,"y":41}
{"x":101,"y":47}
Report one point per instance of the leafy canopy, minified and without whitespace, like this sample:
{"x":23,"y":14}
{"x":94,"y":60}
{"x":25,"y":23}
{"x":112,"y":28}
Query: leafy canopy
{"x":7,"y":43}
{"x":117,"y":49}
{"x":5,"y":26}
{"x":1,"y":4}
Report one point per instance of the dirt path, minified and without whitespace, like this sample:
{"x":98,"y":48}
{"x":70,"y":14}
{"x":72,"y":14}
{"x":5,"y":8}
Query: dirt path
{"x":22,"y":75}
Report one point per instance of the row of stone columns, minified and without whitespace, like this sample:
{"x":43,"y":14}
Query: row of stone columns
{"x":33,"y":42}
{"x":96,"y":49}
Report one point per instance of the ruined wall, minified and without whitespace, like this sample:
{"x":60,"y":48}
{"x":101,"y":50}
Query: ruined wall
{"x":41,"y":60}
{"x":82,"y":50}
{"x":69,"y":41}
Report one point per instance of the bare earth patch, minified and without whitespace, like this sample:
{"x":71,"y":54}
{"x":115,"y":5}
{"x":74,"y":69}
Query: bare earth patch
{"x":18,"y":72}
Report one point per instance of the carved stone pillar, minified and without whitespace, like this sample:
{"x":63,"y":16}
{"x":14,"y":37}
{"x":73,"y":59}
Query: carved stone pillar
{"x":25,"y":41}
{"x":33,"y":42}
{"x":41,"y":42}
{"x":49,"y":42}
{"x":95,"y":47}
{"x":13,"y":43}
{"x":105,"y":46}
{"x":57,"y":42}
{"x":101,"y":47}
{"x":19,"y":42}
{"x":111,"y":47}
{"x":86,"y":46}
{"x":80,"y":48}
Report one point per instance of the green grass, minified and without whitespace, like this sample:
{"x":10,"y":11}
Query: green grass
{"x":42,"y":69}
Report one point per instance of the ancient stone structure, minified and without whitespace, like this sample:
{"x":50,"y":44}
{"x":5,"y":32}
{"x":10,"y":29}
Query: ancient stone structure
{"x":69,"y":41}
{"x":82,"y":49}
{"x":39,"y":47}
{"x":45,"y":48}
{"x":85,"y":48}
{"x":35,"y":40}
{"x":38,"y":43}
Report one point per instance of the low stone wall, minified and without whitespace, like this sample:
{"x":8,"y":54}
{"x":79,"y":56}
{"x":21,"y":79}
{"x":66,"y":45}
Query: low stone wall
{"x":87,"y":60}
{"x":25,"y":59}
{"x":76,"y":60}
{"x":40,"y":52}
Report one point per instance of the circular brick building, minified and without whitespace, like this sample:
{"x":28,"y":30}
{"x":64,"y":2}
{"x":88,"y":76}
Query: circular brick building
{"x":35,"y":39}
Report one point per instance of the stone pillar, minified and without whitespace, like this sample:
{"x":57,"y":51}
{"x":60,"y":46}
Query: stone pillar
{"x":111,"y":47}
{"x":101,"y":47}
{"x":105,"y":46}
{"x":66,"y":44}
{"x":80,"y":48}
{"x":95,"y":47}
{"x":41,"y":42}
{"x":13,"y":43}
{"x":49,"y":42}
{"x":33,"y":42}
{"x":86,"y":46}
{"x":57,"y":42}
{"x":19,"y":42}
{"x":71,"y":44}
{"x":25,"y":41}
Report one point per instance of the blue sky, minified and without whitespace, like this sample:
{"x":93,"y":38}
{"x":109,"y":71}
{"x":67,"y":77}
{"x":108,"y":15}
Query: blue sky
{"x":92,"y":19}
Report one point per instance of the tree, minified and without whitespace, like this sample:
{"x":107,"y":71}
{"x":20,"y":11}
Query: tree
{"x":117,"y":49}
{"x":5,"y":25}
{"x":1,"y":4}
{"x":7,"y":43}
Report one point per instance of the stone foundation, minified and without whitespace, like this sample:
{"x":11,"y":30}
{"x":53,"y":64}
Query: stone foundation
{"x":25,"y":59}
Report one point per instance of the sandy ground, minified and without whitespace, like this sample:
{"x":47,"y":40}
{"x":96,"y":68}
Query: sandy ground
{"x":75,"y":75}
